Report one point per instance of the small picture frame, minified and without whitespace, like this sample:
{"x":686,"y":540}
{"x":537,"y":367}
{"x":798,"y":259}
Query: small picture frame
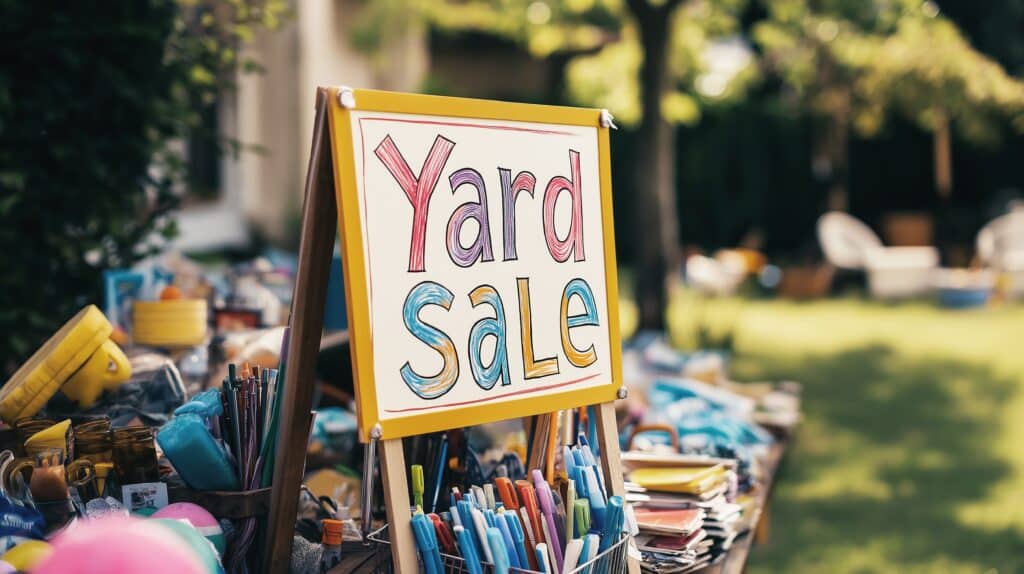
{"x":144,"y":495}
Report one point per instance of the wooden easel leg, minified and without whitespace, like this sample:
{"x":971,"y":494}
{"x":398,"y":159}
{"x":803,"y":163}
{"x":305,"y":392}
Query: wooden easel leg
{"x":396,"y":498}
{"x":611,"y":460}
{"x":319,"y":227}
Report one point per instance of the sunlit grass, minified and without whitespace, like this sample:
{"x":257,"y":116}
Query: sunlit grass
{"x":911,"y":458}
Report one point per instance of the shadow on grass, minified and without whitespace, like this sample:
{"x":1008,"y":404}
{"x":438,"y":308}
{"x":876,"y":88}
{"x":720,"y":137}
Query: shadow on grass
{"x":925,"y":428}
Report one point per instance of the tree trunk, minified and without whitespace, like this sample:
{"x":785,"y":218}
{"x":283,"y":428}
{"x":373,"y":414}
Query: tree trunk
{"x":943,"y":156}
{"x":655,"y":221}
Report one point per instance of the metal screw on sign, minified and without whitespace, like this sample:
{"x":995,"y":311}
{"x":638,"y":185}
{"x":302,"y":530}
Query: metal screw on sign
{"x":607,"y":120}
{"x":346,"y":97}
{"x":623,"y":393}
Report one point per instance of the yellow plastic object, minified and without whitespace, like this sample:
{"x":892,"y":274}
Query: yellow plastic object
{"x":42,"y":375}
{"x":27,"y":555}
{"x":170,"y":323}
{"x":103,"y":470}
{"x":105,"y":370}
{"x":52,"y":437}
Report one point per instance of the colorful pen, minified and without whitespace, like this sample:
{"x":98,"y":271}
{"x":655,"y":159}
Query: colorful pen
{"x":498,"y":550}
{"x":417,"y":486}
{"x":468,"y":549}
{"x":543,"y":562}
{"x":547,"y":505}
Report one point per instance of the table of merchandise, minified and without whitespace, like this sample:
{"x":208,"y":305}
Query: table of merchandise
{"x":735,"y":561}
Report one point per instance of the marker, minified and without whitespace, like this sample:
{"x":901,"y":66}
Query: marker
{"x":439,"y":480}
{"x":572,"y":555}
{"x":426,"y":542}
{"x":543,"y":562}
{"x":468,"y":549}
{"x":510,"y":544}
{"x":519,"y":541}
{"x":481,"y":531}
{"x":547,"y":504}
{"x":498,"y":550}
{"x":417,"y":486}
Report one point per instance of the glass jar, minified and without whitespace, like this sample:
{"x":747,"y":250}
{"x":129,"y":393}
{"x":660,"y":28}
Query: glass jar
{"x":26,"y":427}
{"x":93,"y":441}
{"x":134,"y":453}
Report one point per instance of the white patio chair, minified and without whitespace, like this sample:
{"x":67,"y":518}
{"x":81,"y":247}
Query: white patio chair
{"x":1000,"y":246}
{"x":893,"y":272}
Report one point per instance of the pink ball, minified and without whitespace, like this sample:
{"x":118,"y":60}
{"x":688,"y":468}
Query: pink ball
{"x":197,"y":515}
{"x":119,"y":546}
{"x":199,"y":518}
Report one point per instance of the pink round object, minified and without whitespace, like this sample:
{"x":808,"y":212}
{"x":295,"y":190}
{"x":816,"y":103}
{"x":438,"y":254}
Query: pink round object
{"x":197,"y":515}
{"x":6,"y":568}
{"x":119,"y":546}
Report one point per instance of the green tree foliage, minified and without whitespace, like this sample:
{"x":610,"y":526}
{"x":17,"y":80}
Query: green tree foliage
{"x":854,"y":64}
{"x":91,"y":97}
{"x":901,"y":56}
{"x":644,"y":60}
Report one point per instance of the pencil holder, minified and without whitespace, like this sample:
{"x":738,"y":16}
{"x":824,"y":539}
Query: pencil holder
{"x":611,"y":561}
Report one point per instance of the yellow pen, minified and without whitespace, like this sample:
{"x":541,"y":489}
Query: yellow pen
{"x":417,"y":486}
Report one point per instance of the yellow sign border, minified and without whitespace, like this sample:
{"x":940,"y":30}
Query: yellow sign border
{"x":357,"y":297}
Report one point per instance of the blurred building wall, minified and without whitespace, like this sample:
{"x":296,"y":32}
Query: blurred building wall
{"x":271,"y":114}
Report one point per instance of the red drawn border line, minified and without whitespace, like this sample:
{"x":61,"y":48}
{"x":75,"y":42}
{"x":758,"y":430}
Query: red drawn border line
{"x":495,"y":397}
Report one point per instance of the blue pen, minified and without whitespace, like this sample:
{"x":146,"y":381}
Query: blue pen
{"x":585,"y":553}
{"x":510,"y":546}
{"x":465,"y":508}
{"x":439,"y":475}
{"x":543,"y":562}
{"x":498,"y":551}
{"x":515,"y":529}
{"x":612,"y":523}
{"x":469,"y":556}
{"x":426,"y":543}
{"x":612,"y":530}
{"x":597,"y":502}
{"x":581,"y":483}
{"x":590,"y":459}
{"x":589,"y":552}
{"x":568,"y":461}
{"x":489,"y":516}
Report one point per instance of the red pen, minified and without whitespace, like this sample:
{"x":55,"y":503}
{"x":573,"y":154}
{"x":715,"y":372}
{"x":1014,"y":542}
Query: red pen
{"x":531,"y":510}
{"x":507,"y":493}
{"x":444,"y":536}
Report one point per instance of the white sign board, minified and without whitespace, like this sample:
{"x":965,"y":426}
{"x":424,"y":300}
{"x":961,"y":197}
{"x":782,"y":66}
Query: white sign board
{"x":486,"y":285}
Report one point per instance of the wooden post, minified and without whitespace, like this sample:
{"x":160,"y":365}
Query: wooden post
{"x":319,"y":225}
{"x":396,"y":499}
{"x":611,"y":460}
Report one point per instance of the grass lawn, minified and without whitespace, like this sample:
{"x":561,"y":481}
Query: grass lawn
{"x":911,"y":456}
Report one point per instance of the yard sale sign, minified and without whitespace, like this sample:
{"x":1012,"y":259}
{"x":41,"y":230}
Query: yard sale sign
{"x":479,"y":258}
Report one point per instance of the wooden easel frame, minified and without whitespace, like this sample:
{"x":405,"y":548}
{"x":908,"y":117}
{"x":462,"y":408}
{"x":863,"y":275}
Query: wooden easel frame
{"x":319,"y":229}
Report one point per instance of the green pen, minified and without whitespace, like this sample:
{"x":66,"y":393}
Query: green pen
{"x":582,"y":510}
{"x":417,"y":486}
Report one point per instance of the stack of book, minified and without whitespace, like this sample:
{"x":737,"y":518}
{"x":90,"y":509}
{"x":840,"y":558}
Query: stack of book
{"x":683,"y":510}
{"x":673,"y":538}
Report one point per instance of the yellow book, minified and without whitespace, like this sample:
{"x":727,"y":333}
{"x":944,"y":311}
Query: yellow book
{"x":688,"y":480}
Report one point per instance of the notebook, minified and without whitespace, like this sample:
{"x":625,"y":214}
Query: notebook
{"x":669,"y":522}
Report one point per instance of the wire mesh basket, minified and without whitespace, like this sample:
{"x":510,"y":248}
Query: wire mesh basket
{"x":611,"y":561}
